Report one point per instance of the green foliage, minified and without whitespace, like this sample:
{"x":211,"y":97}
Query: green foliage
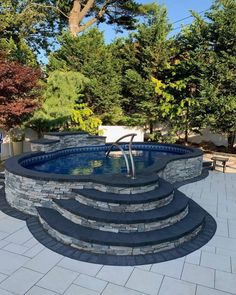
{"x":142,"y":55}
{"x":220,"y":86}
{"x":24,"y":26}
{"x":83,"y":117}
{"x":89,"y":55}
{"x":63,"y":107}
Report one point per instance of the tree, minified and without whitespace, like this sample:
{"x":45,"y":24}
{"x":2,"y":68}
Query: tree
{"x":23,"y":27}
{"x":18,"y":92}
{"x":219,"y":83}
{"x":198,"y":87}
{"x":35,"y":23}
{"x":143,"y":55}
{"x":179,"y":86}
{"x":207,"y":65}
{"x":88,"y":55}
{"x":63,"y":107}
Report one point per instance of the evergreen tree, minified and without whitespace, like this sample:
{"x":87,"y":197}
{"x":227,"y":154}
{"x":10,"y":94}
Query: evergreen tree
{"x":144,"y":54}
{"x":88,"y":55}
{"x":63,"y":107}
{"x":219,"y":83}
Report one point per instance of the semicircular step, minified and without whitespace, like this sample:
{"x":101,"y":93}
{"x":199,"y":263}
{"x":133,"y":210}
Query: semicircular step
{"x":124,"y":221}
{"x":135,"y":243}
{"x":107,"y":201}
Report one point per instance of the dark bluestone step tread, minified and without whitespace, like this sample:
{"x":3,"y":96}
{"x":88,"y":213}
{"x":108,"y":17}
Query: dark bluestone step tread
{"x":161,"y":192}
{"x":175,"y":207}
{"x":187,"y":225}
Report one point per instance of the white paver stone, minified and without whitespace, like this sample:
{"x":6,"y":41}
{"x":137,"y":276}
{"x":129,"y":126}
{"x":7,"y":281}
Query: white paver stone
{"x":144,"y":281}
{"x":115,"y":274}
{"x":15,"y":248}
{"x":90,"y":283}
{"x":216,"y":261}
{"x":225,"y":282}
{"x":44,"y":261}
{"x":40,"y":291}
{"x":208,"y":291}
{"x":172,"y":268}
{"x":112,"y":289}
{"x":198,"y":275}
{"x":10,"y":262}
{"x":21,"y":281}
{"x":77,"y":290}
{"x":32,"y":252}
{"x":3,"y":235}
{"x":4,"y":292}
{"x":57,"y":279}
{"x":172,"y":286}
{"x":10,"y":225}
{"x":194,"y":257}
{"x":19,"y":237}
{"x":2,"y":277}
{"x":80,"y":266}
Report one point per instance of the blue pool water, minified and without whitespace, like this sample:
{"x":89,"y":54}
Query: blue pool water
{"x":87,"y":163}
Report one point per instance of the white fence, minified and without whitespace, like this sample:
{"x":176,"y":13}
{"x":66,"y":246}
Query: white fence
{"x":115,"y":132}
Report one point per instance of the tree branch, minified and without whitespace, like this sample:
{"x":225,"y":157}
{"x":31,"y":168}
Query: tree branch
{"x":95,"y":19}
{"x":76,"y":26}
{"x":85,"y":10}
{"x":89,"y":23}
{"x":51,"y":7}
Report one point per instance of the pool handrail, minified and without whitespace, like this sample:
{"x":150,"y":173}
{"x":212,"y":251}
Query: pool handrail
{"x":116,"y":143}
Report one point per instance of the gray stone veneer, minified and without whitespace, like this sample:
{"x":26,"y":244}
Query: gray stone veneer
{"x":118,"y":250}
{"x":114,"y":207}
{"x":183,"y":169}
{"x":67,"y":141}
{"x":25,"y":193}
{"x":121,"y":227}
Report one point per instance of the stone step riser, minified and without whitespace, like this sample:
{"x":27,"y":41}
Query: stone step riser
{"x":125,"y":228}
{"x":115,"y":207}
{"x":118,"y":250}
{"x":125,"y":190}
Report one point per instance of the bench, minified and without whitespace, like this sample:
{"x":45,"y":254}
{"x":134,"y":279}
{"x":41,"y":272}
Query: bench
{"x":219,"y":159}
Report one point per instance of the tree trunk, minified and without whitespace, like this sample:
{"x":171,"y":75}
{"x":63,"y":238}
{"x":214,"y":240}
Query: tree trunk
{"x":186,"y":126}
{"x":77,"y":15}
{"x":231,"y":139}
{"x":73,"y":18}
{"x":151,"y":127}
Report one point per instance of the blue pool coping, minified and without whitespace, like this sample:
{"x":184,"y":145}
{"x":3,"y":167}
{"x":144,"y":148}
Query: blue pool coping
{"x":148,"y":176}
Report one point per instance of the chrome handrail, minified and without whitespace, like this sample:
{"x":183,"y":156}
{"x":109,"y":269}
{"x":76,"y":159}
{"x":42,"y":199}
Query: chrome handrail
{"x":132,"y":174}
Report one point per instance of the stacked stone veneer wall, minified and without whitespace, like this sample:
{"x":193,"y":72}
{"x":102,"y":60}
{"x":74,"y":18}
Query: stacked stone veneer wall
{"x":122,"y":227}
{"x":26,"y":193}
{"x":52,"y":142}
{"x":182,"y":169}
{"x":119,"y":250}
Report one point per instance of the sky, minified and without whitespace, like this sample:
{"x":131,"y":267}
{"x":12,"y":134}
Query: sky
{"x":177,"y":9}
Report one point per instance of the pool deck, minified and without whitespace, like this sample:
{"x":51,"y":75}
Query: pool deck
{"x":27,"y":267}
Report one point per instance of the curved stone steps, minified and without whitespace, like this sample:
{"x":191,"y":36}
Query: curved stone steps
{"x":158,"y":197}
{"x":124,"y":221}
{"x":164,"y":190}
{"x":133,"y":243}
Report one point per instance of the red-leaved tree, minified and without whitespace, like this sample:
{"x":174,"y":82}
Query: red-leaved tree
{"x":18,"y":92}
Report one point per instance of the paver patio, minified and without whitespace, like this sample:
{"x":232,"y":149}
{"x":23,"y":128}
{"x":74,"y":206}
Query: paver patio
{"x":27,"y":267}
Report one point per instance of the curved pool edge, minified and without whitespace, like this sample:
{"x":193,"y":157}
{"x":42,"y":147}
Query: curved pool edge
{"x":149,"y":176}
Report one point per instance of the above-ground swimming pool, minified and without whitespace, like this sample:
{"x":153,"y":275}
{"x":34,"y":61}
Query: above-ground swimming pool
{"x":93,"y":160}
{"x":84,"y":200}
